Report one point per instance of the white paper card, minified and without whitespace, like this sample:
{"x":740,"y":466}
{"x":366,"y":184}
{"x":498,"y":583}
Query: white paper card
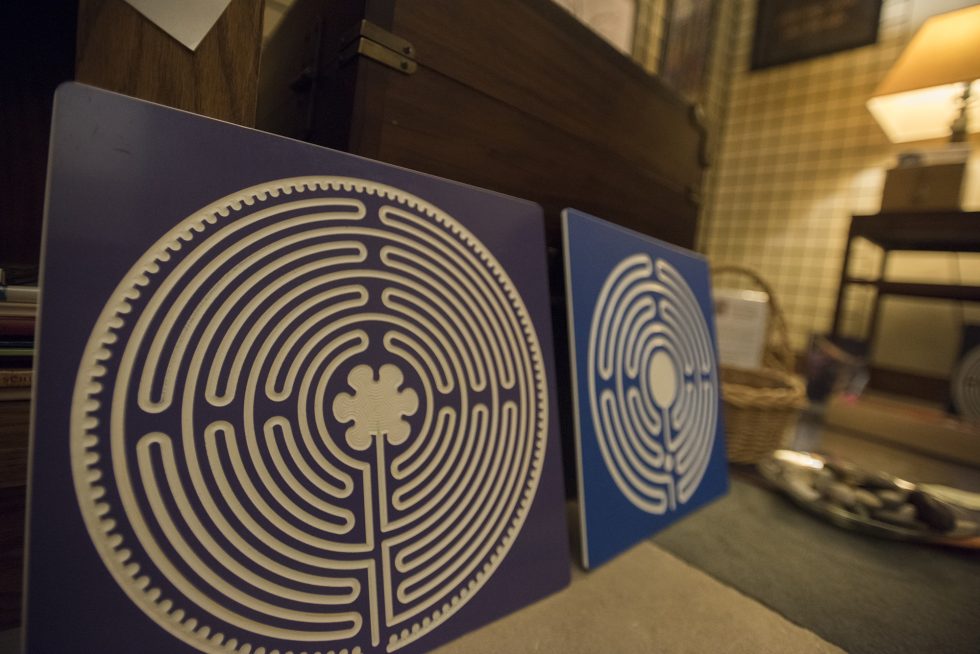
{"x":741,"y":318}
{"x":188,"y":21}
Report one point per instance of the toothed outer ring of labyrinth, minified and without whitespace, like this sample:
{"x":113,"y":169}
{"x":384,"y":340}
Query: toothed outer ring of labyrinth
{"x":94,"y":469}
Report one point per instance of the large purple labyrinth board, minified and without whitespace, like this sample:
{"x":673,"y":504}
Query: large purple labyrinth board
{"x":288,"y":399}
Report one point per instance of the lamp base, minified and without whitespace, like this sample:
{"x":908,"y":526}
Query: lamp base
{"x":926,"y":180}
{"x":923,"y":188}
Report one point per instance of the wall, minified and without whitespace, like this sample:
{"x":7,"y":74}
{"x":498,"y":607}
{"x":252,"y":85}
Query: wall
{"x":800,"y":153}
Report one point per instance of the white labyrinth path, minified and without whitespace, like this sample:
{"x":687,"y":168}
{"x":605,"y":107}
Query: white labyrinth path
{"x":311,"y":418}
{"x":653,"y":386}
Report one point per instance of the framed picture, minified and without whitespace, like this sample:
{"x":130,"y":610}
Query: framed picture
{"x":687,"y":47}
{"x":793,"y":30}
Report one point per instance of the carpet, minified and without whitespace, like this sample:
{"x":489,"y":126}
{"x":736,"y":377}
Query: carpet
{"x":860,"y":593}
{"x":645,"y":600}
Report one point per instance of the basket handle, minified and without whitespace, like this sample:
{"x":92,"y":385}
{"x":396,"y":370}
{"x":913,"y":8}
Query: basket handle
{"x":779,"y":354}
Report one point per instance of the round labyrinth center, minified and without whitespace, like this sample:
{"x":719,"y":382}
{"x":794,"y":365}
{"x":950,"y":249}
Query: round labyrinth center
{"x":311,"y":418}
{"x":663,"y":379}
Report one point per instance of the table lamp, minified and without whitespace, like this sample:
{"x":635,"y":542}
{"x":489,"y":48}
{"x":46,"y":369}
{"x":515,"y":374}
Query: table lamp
{"x":927,"y":93}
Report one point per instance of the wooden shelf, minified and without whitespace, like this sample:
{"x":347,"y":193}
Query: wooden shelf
{"x":940,"y":231}
{"x":916,"y":289}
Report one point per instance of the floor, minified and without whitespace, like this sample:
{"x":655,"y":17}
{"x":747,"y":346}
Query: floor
{"x":648,"y":600}
{"x":912,"y":465}
{"x":645,"y":600}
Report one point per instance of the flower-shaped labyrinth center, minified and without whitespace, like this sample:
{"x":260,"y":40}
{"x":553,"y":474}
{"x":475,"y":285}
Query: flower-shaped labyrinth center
{"x":377,"y":407}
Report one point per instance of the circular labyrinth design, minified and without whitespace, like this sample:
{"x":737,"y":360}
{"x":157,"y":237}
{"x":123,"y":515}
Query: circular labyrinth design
{"x":653,"y":387}
{"x":966,"y":385}
{"x":311,"y":418}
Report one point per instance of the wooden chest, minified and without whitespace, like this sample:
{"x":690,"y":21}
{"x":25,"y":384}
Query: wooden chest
{"x":511,"y":95}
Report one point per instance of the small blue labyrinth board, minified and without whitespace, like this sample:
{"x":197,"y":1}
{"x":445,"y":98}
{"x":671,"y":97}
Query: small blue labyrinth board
{"x":648,"y":427}
{"x":289,"y":400}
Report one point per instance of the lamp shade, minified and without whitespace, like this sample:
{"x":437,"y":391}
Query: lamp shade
{"x":921,"y":95}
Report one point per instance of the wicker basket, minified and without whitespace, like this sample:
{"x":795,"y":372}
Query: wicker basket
{"x":760,"y":404}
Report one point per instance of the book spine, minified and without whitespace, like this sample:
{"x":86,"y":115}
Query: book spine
{"x":18,"y":310}
{"x":15,"y":378}
{"x":19,"y":294}
{"x":16,"y":343}
{"x":16,"y":350}
{"x":16,"y":327}
{"x":16,"y":393}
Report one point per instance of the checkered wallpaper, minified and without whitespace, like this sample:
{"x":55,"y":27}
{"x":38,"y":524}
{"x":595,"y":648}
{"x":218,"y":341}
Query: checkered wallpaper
{"x":798,"y":154}
{"x":651,"y":23}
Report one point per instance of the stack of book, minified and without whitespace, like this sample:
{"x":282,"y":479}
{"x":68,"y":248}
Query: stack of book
{"x":18,"y":315}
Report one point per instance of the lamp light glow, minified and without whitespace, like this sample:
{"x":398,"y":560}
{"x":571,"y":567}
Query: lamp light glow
{"x":923,"y":92}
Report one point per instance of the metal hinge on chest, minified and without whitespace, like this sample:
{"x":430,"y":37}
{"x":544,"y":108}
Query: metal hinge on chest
{"x":375,"y":43}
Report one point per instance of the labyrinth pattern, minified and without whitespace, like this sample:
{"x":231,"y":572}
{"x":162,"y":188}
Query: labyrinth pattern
{"x":966,"y":385}
{"x":653,"y":389}
{"x":312,"y":418}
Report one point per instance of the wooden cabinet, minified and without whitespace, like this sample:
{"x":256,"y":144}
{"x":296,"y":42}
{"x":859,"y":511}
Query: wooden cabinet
{"x":511,"y":95}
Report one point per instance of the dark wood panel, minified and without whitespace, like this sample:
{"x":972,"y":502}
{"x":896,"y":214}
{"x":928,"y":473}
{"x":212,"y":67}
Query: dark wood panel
{"x":12,"y":513}
{"x":14,"y":428}
{"x":915,"y":289}
{"x":38,"y":51}
{"x":898,"y":382}
{"x":937,"y":231}
{"x":473,"y":138}
{"x":550,"y":135}
{"x":288,"y":71}
{"x":535,"y":57}
{"x":370,"y":110}
{"x":909,"y":384}
{"x":120,"y":50}
{"x":333,"y":107}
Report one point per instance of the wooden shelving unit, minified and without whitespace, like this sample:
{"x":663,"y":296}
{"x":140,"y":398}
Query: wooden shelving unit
{"x":915,"y":289}
{"x":943,"y":231}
